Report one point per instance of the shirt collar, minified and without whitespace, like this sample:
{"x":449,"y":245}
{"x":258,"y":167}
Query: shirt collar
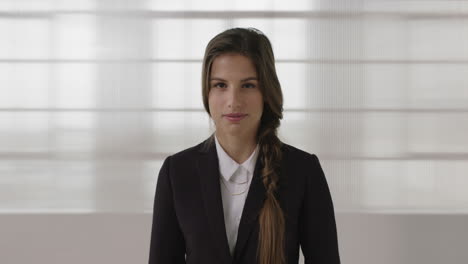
{"x":228,"y":166}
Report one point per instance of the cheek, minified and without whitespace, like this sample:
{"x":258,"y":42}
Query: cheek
{"x":258,"y":103}
{"x":213,"y":103}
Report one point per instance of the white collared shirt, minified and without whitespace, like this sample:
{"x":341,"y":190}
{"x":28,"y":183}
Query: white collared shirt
{"x":233,"y":205}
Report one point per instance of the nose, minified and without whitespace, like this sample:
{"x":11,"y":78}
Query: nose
{"x":234,"y":100}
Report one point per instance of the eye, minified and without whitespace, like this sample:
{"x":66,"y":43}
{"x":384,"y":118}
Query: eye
{"x":220,"y":85}
{"x":249,"y":85}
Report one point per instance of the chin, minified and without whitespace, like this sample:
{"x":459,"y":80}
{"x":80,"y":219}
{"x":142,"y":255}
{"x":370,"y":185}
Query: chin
{"x":236,"y":130}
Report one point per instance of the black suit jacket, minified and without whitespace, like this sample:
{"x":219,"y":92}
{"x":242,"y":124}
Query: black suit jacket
{"x":188,"y":222}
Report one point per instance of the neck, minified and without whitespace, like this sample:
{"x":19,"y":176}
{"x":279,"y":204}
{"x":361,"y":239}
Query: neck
{"x":238,"y":148}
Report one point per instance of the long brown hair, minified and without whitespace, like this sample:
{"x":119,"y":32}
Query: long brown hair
{"x":253,"y":44}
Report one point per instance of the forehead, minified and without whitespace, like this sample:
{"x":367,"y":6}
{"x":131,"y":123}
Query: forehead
{"x":233,"y":65}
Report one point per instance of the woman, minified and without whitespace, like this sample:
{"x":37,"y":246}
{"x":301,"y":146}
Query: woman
{"x":242,"y":195}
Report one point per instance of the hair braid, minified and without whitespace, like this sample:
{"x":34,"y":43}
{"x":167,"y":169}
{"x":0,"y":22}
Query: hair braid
{"x":271,"y":246}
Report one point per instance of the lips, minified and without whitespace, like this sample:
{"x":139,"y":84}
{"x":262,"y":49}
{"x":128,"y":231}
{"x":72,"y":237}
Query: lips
{"x":235,"y":117}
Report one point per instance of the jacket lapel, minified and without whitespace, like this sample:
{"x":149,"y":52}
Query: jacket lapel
{"x":253,"y":203}
{"x":208,"y":170}
{"x":211,"y":192}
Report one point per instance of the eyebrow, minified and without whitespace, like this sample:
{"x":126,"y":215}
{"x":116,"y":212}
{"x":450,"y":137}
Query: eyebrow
{"x":243,"y":80}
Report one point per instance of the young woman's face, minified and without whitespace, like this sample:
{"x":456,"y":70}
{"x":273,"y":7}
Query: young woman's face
{"x":235,"y":100}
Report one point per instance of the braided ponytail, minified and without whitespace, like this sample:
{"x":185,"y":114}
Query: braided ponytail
{"x":271,"y":236}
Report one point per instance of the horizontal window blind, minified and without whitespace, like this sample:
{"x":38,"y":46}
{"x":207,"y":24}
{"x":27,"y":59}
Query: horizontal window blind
{"x":95,"y":94}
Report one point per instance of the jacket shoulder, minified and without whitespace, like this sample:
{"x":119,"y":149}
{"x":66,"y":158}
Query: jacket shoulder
{"x":296,"y":153}
{"x":186,"y":154}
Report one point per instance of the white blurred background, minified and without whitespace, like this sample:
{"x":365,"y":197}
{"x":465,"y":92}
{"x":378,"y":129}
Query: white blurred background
{"x":94,"y":94}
